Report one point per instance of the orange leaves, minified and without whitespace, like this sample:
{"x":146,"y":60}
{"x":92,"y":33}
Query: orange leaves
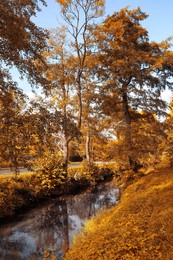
{"x":139,"y":227}
{"x":64,"y":3}
{"x":21,"y":40}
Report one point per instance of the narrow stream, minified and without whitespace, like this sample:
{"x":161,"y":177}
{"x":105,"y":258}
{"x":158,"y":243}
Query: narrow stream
{"x":53,"y":223}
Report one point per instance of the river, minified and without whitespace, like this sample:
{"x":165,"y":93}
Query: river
{"x":53,"y":223}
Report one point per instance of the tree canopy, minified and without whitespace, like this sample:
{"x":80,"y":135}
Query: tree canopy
{"x":133,"y":70}
{"x":21,"y":41}
{"x":109,"y":72}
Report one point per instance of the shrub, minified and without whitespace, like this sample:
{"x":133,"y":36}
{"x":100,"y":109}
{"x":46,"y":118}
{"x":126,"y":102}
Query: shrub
{"x":10,"y":199}
{"x":50,"y":172}
{"x":90,"y":171}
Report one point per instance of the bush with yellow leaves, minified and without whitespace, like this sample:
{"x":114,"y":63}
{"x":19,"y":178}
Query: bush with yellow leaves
{"x":13,"y":195}
{"x":50,"y":173}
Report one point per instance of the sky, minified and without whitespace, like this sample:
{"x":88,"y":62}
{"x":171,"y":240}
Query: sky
{"x":159,"y":23}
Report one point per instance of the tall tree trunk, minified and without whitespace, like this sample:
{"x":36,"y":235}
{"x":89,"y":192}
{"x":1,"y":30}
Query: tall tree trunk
{"x":127,"y":119}
{"x":65,"y":153}
{"x":88,"y":139}
{"x":65,"y":127}
{"x":79,"y":94}
{"x":126,"y":109}
{"x":132,"y":161}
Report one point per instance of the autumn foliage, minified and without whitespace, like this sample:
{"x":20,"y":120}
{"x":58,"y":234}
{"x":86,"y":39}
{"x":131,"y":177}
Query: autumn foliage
{"x":102,"y":85}
{"x":140,"y":227}
{"x":49,"y":179}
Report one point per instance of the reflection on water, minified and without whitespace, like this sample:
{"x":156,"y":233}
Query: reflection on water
{"x":53,"y":224}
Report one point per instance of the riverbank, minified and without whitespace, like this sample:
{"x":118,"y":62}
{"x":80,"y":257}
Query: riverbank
{"x":139,"y":227}
{"x":53,"y":223}
{"x":24,"y":191}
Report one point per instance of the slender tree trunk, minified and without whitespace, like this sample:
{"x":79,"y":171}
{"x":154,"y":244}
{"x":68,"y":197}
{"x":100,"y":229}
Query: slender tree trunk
{"x":65,"y":153}
{"x":65,"y":127}
{"x":88,"y":139}
{"x":79,"y":94}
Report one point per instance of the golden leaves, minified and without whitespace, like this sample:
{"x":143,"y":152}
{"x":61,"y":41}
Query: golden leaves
{"x":139,"y":227}
{"x":64,"y":3}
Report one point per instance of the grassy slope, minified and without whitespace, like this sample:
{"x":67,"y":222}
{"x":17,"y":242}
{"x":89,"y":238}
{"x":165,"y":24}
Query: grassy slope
{"x":140,"y":227}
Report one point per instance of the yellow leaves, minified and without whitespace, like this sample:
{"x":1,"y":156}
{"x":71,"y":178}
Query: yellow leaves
{"x":49,"y":254}
{"x":100,"y":2}
{"x":64,"y":3}
{"x":16,"y":191}
{"x":139,"y":227}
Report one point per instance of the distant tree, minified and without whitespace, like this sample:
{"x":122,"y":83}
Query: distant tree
{"x":14,"y":134}
{"x":134,"y":71}
{"x":27,"y":130}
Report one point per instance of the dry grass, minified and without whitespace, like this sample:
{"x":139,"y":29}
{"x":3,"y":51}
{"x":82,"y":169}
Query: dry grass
{"x":140,"y":227}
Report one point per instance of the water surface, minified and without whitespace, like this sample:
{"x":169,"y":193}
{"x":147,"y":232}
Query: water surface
{"x":53,"y":224}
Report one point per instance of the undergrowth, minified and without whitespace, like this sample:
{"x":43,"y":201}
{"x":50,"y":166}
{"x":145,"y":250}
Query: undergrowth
{"x":17,"y":191}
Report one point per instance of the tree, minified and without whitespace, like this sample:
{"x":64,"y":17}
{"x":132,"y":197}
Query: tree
{"x":79,"y":15}
{"x":14,"y":134}
{"x":21,"y":41}
{"x":147,"y":135}
{"x":60,"y":73}
{"x":167,"y":153}
{"x":21,"y":46}
{"x":135,"y":71}
{"x":95,"y":124}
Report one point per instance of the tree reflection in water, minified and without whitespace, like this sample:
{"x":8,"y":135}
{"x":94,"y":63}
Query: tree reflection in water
{"x":53,"y":224}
